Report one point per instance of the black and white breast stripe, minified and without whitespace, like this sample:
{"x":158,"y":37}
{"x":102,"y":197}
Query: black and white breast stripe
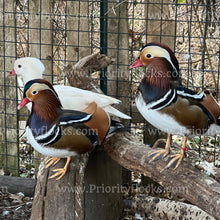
{"x":50,"y":137}
{"x":171,"y":96}
{"x":166,"y":100}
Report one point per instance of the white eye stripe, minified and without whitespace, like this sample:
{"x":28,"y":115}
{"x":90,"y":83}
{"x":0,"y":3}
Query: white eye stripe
{"x":37,"y":87}
{"x":157,"y":51}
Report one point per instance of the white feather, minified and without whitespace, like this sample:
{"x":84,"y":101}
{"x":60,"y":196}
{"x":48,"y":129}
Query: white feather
{"x":151,"y":105}
{"x":48,"y":133}
{"x":213,"y":130}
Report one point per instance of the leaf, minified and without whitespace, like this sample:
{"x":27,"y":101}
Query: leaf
{"x":180,"y":1}
{"x":16,"y":198}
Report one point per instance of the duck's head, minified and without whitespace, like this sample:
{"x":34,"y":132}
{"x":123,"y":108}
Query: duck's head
{"x":45,"y":101}
{"x":29,"y":68}
{"x":152,"y":51}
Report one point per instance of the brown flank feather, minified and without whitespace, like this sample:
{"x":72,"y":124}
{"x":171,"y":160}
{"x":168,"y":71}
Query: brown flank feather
{"x":99,"y":121}
{"x":188,"y":114}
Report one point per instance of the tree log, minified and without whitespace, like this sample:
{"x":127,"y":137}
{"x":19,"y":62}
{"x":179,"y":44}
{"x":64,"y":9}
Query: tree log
{"x":79,"y":75}
{"x":99,"y":162}
{"x":167,"y":209}
{"x":186,"y":181}
{"x":14,"y":185}
{"x":61,"y":199}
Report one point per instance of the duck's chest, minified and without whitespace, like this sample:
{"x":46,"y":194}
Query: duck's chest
{"x":37,"y":125}
{"x":164,"y":122}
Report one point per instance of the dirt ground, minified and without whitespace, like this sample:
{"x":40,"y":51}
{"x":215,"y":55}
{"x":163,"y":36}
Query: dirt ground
{"x":16,"y":207}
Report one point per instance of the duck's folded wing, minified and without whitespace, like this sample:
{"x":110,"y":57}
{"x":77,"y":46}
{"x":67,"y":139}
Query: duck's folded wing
{"x":85,"y":95}
{"x":206,"y":102}
{"x":79,"y":99}
{"x":71,"y":116}
{"x":77,"y":120}
{"x":186,"y":92}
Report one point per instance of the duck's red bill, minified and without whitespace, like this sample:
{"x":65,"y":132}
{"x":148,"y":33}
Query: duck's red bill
{"x":12,"y":73}
{"x":24,"y":102}
{"x":138,"y":63}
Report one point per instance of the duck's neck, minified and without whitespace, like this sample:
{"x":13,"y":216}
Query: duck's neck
{"x":34,"y":75}
{"x":47,"y":107}
{"x":156,"y":82}
{"x":47,"y":113}
{"x":151,"y":91}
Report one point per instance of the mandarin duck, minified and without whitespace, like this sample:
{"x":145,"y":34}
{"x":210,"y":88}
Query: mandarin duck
{"x":59,"y":133}
{"x":169,"y":106}
{"x":30,"y":68}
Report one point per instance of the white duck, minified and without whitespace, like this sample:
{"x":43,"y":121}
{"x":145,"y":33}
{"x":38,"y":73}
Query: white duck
{"x":71,"y":98}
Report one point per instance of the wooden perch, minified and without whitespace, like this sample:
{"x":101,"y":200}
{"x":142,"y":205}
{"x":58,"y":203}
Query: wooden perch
{"x":61,"y":199}
{"x":166,"y":209}
{"x":186,"y":181}
{"x":79,"y":75}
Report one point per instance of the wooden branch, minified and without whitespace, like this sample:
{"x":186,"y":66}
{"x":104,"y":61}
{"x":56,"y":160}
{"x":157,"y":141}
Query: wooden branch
{"x":186,"y":181}
{"x":17,"y":184}
{"x":166,"y":209}
{"x":79,"y":75}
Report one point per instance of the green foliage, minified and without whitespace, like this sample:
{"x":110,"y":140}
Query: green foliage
{"x":181,"y":1}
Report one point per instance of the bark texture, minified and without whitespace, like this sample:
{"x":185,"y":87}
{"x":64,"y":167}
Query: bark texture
{"x":186,"y":181}
{"x":167,"y":209}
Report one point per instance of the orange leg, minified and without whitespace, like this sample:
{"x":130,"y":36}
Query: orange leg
{"x":52,"y":161}
{"x":161,"y":153}
{"x":61,"y":171}
{"x":175,"y":160}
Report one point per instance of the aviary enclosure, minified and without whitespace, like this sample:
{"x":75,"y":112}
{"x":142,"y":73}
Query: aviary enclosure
{"x":63,"y":32}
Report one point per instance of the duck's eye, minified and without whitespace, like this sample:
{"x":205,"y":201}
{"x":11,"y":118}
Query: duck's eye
{"x":19,"y":66}
{"x":34,"y":92}
{"x":148,"y":55}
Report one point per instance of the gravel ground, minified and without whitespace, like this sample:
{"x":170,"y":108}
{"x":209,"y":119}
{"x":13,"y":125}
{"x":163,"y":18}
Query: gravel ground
{"x":16,"y":207}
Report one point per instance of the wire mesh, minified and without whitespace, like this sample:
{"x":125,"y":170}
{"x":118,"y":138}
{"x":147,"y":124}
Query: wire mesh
{"x":60,"y":32}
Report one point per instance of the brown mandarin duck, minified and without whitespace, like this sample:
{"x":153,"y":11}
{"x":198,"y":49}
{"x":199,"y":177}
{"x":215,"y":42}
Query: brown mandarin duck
{"x":59,"y":133}
{"x":169,"y":106}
